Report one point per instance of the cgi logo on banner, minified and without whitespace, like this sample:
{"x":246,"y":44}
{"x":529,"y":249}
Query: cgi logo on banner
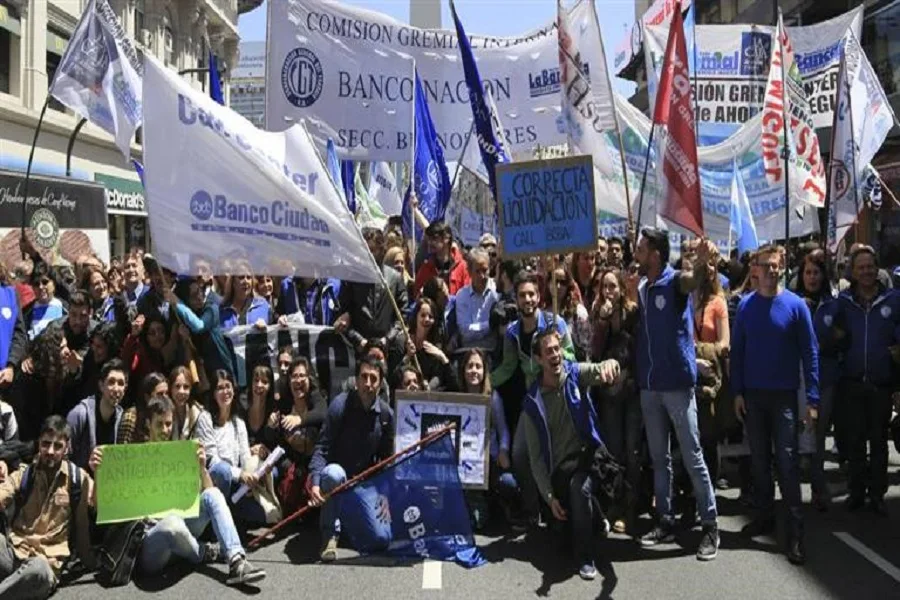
{"x":756,"y":48}
{"x":302,"y":78}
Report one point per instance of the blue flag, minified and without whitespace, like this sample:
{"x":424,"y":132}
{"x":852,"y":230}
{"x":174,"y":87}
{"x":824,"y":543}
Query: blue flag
{"x":417,"y":503}
{"x":347,"y":180}
{"x":488,"y":131}
{"x":690,"y":36}
{"x":139,"y":168}
{"x":742,"y":222}
{"x":215,"y":81}
{"x":430,"y":174}
{"x":334,"y":168}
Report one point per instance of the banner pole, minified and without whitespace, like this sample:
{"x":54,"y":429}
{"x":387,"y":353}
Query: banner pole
{"x":37,"y":132}
{"x":785,"y":153}
{"x":853,"y":164}
{"x":644,"y":181}
{"x":412,"y":170}
{"x":428,"y":439}
{"x":71,"y":146}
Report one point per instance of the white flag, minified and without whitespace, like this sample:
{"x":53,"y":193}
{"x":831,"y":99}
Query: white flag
{"x":99,"y":76}
{"x":368,"y":212}
{"x":862,"y":121}
{"x":587,"y":104}
{"x":785,"y":95}
{"x":219,"y":187}
{"x":383,"y":188}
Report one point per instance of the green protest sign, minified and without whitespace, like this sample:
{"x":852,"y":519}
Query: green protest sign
{"x":148,"y":480}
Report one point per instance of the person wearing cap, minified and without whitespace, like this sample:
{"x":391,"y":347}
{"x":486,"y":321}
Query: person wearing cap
{"x":444,"y":260}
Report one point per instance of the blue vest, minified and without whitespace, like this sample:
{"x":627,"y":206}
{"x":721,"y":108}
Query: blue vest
{"x":666,"y":359}
{"x":581,"y":409}
{"x":9,"y":312}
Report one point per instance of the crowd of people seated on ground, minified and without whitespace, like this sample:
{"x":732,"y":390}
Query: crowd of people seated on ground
{"x":617,"y":348}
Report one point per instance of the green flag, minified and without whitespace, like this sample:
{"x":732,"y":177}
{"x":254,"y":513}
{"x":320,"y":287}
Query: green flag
{"x":370,"y":213}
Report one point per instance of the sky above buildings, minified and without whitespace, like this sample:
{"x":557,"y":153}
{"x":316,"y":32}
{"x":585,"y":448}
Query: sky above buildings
{"x":489,"y":17}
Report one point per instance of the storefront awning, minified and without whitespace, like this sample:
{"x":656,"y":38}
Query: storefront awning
{"x":123,"y":196}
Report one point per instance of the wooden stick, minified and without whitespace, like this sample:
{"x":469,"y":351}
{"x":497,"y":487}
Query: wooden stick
{"x":353,"y":481}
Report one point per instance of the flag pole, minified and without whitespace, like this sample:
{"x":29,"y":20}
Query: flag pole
{"x":644,"y":178}
{"x":853,"y":158}
{"x":71,"y":146}
{"x":785,"y":151}
{"x":428,"y":439}
{"x":631,"y":225}
{"x":731,"y":212}
{"x":412,"y":169}
{"x":37,"y":132}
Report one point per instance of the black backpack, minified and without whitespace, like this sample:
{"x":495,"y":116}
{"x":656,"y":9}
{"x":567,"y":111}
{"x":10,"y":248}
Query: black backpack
{"x":119,"y":551}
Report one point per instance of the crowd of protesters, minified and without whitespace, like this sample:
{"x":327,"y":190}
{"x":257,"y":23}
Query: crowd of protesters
{"x":615,"y":349}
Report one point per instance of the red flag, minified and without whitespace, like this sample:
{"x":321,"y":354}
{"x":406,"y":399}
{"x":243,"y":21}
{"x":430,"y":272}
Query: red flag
{"x":674,"y":114}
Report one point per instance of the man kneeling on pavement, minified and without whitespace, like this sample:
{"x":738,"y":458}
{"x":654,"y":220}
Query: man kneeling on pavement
{"x":174,"y":537}
{"x":561,"y":427}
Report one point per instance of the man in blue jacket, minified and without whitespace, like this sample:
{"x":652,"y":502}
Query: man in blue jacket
{"x":667,"y":373}
{"x":865,"y":321}
{"x":561,"y":424}
{"x":773,"y":334}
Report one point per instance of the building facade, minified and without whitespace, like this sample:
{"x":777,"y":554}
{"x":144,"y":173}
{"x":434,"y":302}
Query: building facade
{"x":248,"y":83}
{"x":881,"y":42}
{"x":33,"y":38}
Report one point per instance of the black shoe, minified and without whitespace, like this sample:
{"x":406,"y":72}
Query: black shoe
{"x":709,"y":543}
{"x":877,"y":506}
{"x":661,"y":534}
{"x":855,"y":503}
{"x":796,"y":551}
{"x":758,"y":527}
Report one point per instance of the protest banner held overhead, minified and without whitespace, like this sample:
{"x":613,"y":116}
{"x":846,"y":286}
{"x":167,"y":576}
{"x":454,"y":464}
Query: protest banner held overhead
{"x":151,"y":480}
{"x":421,"y":413}
{"x":261,"y":198}
{"x":546,"y":206}
{"x":347,"y":71}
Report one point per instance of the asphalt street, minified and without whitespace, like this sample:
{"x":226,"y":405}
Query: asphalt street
{"x":854,"y":556}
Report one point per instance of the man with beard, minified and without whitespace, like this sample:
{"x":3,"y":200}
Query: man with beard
{"x":667,"y":374}
{"x":94,"y":422}
{"x":562,"y":424}
{"x":51,"y":497}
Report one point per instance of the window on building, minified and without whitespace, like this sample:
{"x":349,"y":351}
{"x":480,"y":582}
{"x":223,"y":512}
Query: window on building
{"x":169,"y":40}
{"x":5,"y":60}
{"x":881,"y":41}
{"x":54,"y":56}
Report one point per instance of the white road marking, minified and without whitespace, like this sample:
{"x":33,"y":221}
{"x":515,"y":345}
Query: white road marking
{"x":869,"y":554}
{"x":431,"y":575}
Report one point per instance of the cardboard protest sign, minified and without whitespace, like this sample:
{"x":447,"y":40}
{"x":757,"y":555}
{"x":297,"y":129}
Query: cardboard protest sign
{"x":546,"y":206}
{"x":152,"y":480}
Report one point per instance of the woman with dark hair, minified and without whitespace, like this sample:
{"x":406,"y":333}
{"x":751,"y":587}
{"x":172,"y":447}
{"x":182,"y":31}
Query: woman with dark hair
{"x":133,"y":425}
{"x":115,"y":280}
{"x":445,"y":316}
{"x":46,"y":307}
{"x":94,"y":281}
{"x":425,"y":343}
{"x":573,"y":312}
{"x":200,"y":314}
{"x":265,"y":289}
{"x":473,"y":373}
{"x":104,"y":344}
{"x":39,"y":393}
{"x":149,"y":348}
{"x":295,"y":427}
{"x":241,"y":304}
{"x":615,"y":319}
{"x":583,"y":269}
{"x":409,"y":378}
{"x":223,"y":433}
{"x":187,"y":409}
{"x":258,"y":403}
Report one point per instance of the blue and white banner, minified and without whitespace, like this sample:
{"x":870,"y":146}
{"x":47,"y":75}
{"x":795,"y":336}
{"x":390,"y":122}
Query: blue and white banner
{"x":732,"y":65}
{"x":742,"y":223}
{"x":220,"y":188}
{"x":346,"y":71}
{"x":862,"y":122}
{"x":383,"y":188}
{"x":99,"y":76}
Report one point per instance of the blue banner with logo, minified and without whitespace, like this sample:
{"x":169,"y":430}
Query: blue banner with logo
{"x":418,"y":503}
{"x":488,"y":132}
{"x":430,"y":176}
{"x":215,"y":81}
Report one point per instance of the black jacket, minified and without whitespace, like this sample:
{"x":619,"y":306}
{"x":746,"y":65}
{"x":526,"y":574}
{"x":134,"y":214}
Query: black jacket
{"x":371,"y":313}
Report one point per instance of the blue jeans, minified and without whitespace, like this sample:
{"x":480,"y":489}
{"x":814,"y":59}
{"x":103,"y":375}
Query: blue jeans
{"x":174,"y":536}
{"x":247,"y":509}
{"x":357,"y":512}
{"x":772,"y":419}
{"x":678,"y":407}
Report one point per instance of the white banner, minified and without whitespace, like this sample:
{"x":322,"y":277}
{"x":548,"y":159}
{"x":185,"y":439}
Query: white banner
{"x":383,"y":188}
{"x":733,"y":64}
{"x":348,"y":72}
{"x":220,"y":188}
{"x":331,"y":356}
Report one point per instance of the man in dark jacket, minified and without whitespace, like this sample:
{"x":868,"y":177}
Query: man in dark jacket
{"x":358,"y":432}
{"x":562,"y":423}
{"x":368,"y":311}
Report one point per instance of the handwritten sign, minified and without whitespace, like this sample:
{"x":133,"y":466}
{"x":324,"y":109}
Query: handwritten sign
{"x":546,"y":206}
{"x":153,"y":480}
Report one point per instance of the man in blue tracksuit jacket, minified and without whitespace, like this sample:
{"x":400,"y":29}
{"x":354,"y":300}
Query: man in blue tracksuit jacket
{"x":865,"y":321}
{"x":667,"y":373}
{"x":772,"y":336}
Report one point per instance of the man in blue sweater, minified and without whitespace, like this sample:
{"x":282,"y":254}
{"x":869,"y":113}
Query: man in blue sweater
{"x":865,"y":323}
{"x":773,"y":333}
{"x":666,"y":374}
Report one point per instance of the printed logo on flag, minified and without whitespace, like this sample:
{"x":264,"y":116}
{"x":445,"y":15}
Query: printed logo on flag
{"x":45,"y":227}
{"x":202,"y":206}
{"x":841,"y":176}
{"x":755,"y":50}
{"x":302,"y":78}
{"x":546,"y":82}
{"x":434,"y":179}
